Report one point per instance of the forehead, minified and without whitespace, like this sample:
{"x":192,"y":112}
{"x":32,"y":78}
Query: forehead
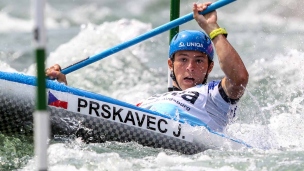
{"x":190,"y":53}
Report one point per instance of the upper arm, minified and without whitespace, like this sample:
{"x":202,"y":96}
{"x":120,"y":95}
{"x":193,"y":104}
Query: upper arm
{"x":232,"y":89}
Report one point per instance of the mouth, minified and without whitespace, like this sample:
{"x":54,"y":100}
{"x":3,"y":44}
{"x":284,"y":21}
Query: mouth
{"x":189,"y":79}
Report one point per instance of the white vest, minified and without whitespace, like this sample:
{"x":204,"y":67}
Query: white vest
{"x":202,"y":101}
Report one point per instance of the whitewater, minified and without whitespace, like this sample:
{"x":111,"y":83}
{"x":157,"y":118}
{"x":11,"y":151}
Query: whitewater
{"x":269,"y":36}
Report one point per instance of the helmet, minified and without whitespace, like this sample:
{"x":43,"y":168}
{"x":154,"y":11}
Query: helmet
{"x":191,"y":40}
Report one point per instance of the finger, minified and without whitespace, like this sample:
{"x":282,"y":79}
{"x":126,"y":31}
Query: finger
{"x":61,"y":78}
{"x":53,"y":75}
{"x":202,"y":7}
{"x":57,"y":67}
{"x":195,"y":10}
{"x":48,"y":72}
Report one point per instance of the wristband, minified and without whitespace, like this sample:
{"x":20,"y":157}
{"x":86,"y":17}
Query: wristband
{"x":217,"y":32}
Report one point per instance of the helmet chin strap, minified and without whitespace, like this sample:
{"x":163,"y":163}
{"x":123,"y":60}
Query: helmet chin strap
{"x":174,"y":79}
{"x":206,"y":76}
{"x":205,"y":79}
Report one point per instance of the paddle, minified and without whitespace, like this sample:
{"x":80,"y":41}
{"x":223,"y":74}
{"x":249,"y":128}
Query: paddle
{"x":154,"y":32}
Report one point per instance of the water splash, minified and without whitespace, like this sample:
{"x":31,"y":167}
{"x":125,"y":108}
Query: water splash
{"x":275,"y":95}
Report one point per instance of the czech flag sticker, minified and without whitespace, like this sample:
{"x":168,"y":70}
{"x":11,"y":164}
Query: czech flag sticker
{"x":56,"y":100}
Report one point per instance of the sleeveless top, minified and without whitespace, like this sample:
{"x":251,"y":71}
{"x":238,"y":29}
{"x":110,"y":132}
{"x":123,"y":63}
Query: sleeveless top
{"x":207,"y":102}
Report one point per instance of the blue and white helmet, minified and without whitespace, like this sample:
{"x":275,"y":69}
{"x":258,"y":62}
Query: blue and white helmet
{"x":191,"y":40}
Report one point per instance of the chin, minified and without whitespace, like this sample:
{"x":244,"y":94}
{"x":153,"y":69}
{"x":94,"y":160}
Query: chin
{"x":187,"y":86}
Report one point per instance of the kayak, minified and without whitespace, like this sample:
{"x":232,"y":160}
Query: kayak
{"x":96,"y":118}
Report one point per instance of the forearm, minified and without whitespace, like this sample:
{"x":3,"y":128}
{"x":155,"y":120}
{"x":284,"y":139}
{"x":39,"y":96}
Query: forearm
{"x":236,"y":75}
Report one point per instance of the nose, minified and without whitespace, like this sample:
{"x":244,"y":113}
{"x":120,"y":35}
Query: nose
{"x":191,"y":66}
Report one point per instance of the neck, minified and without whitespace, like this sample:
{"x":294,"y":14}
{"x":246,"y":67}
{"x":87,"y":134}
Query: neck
{"x":174,"y":88}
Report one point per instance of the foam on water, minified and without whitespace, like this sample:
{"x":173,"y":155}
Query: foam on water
{"x":267,"y":34}
{"x":16,"y":24}
{"x":5,"y":67}
{"x":273,"y":116}
{"x":112,"y":76}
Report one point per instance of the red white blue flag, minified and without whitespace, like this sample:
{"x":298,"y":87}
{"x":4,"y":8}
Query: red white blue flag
{"x":54,"y":101}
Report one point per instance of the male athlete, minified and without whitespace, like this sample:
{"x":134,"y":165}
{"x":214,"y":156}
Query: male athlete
{"x":190,"y":61}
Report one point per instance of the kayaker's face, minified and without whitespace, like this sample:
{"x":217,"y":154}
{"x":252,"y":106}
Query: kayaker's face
{"x":190,"y":68}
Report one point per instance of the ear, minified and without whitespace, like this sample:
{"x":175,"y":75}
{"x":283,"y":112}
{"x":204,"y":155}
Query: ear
{"x":210,"y":67}
{"x":170,"y":64}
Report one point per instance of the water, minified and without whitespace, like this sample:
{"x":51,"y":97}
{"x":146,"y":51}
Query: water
{"x":268,"y":36}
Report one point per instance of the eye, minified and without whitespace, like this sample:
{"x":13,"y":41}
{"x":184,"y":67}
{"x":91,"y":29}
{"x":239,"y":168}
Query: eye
{"x":183,"y":59}
{"x":198,"y":61}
